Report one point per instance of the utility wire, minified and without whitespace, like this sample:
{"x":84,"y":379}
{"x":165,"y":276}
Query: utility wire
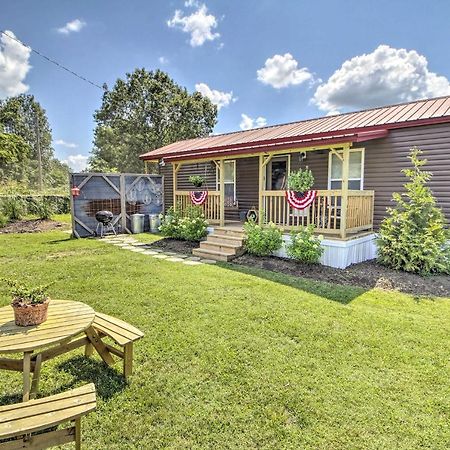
{"x":53,"y":61}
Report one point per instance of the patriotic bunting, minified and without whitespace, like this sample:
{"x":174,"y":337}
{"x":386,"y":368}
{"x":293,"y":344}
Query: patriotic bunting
{"x":198,"y":197}
{"x":300,"y":200}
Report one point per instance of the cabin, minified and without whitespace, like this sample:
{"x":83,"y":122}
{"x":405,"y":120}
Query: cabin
{"x":356,"y":159}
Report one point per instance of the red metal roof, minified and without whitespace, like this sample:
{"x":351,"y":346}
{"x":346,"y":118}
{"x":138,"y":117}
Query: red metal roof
{"x":349,"y":127}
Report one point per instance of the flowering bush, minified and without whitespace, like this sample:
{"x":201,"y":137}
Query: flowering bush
{"x":190,"y":226}
{"x":304,"y":246}
{"x":262,"y":241}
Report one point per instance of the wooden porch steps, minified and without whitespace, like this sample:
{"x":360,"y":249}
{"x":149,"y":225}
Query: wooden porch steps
{"x":224,"y":244}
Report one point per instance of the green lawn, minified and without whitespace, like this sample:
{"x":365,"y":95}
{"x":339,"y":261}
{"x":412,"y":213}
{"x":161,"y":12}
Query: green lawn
{"x":242,"y":358}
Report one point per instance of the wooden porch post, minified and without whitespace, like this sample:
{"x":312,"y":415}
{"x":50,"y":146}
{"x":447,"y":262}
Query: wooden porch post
{"x":222,"y":191}
{"x":175,"y":169}
{"x":260,"y":189}
{"x":344,"y":198}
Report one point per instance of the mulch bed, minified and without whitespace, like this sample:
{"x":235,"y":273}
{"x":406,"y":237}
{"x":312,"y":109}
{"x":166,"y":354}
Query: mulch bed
{"x":32,"y":226}
{"x":174,"y":245}
{"x":368,"y":274}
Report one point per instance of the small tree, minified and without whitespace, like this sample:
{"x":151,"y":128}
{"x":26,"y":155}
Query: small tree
{"x":413,"y":237}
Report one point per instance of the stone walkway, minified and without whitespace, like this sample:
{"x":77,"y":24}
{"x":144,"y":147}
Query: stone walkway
{"x":129,"y":243}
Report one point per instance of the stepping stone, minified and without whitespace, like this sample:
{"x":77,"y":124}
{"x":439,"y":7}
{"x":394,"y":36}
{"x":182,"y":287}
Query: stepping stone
{"x":193,"y":258}
{"x":137,"y":250}
{"x":149,"y":252}
{"x":180,"y":255}
{"x":160,"y":256}
{"x":208,"y":261}
{"x":192,"y":263}
{"x":174,"y":259}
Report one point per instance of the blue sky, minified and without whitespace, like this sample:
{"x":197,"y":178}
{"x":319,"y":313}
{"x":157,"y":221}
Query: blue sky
{"x":264,"y":62}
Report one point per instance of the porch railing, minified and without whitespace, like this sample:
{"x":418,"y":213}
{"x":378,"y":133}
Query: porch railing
{"x":325,"y":213}
{"x":211,"y":207}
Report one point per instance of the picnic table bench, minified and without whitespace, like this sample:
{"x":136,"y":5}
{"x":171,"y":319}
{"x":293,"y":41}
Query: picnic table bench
{"x":122,"y":333}
{"x":70,"y":325}
{"x":21,"y":419}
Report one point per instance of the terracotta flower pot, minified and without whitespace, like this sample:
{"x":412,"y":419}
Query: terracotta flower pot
{"x":26,"y":315}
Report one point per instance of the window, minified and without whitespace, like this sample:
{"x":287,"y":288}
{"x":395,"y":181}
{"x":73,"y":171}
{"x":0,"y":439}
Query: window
{"x":229,"y":182}
{"x":356,"y":170}
{"x":276,"y":173}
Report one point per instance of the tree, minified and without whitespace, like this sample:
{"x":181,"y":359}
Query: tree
{"x":145,"y":111}
{"x":23,"y":117}
{"x":13,"y":152}
{"x":413,"y":236}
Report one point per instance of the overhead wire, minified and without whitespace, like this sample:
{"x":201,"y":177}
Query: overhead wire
{"x":56,"y":63}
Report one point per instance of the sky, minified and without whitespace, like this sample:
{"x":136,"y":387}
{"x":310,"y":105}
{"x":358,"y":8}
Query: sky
{"x":263,"y":62}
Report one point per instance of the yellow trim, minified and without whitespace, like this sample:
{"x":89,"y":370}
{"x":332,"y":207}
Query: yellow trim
{"x":265,"y":153}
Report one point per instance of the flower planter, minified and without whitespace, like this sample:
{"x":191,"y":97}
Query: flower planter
{"x":27,"y":314}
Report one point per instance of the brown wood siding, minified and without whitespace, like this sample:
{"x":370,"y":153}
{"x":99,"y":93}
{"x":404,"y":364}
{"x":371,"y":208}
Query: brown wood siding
{"x":183,"y":183}
{"x":317,"y":162}
{"x":385,"y":158}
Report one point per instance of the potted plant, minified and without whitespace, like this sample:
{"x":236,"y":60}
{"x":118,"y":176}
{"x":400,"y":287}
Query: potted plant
{"x":30,"y":305}
{"x":197,"y":180}
{"x":300,"y":181}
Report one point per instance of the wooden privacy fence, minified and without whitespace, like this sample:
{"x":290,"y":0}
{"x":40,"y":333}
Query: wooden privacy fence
{"x":325,"y":212}
{"x":122,"y":194}
{"x":211,"y":207}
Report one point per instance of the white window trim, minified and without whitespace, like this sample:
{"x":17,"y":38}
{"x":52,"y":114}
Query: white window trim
{"x":330,"y":159}
{"x":227,"y":182}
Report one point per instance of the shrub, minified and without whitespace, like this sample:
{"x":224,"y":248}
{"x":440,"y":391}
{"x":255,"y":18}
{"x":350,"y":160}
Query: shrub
{"x":262,"y":241}
{"x":190,"y":226}
{"x":3,"y":220}
{"x":13,"y":207}
{"x":43,"y":208}
{"x":170,"y":223}
{"x":413,"y":237}
{"x":304,"y":246}
{"x":300,"y":180}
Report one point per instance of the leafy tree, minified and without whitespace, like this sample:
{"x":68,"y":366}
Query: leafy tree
{"x":13,"y":148}
{"x":145,"y":111}
{"x":24,"y":118}
{"x":413,"y":236}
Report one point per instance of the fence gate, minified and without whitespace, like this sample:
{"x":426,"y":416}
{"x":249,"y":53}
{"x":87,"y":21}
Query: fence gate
{"x":122,"y":194}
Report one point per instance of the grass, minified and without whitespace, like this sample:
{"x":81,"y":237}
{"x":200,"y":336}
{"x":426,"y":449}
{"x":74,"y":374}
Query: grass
{"x":243,"y":358}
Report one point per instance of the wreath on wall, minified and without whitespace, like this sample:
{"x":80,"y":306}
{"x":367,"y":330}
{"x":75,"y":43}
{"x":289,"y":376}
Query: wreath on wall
{"x":299,"y":194}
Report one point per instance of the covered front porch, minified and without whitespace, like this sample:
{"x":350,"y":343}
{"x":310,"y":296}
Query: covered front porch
{"x":342,"y":209}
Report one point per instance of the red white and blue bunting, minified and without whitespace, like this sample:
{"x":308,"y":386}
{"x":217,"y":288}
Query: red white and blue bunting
{"x":300,"y":200}
{"x":198,"y":197}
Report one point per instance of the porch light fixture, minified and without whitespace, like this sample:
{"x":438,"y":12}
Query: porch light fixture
{"x":162,"y":163}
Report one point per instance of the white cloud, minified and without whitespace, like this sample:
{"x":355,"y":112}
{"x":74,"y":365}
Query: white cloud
{"x":77,"y":163}
{"x":387,"y":75}
{"x":163,"y":60}
{"x":14,"y":66}
{"x":248,"y":123}
{"x":282,"y":70}
{"x":199,"y":25}
{"x":191,"y":4}
{"x":66,"y":144}
{"x":219,"y":98}
{"x":72,"y":27}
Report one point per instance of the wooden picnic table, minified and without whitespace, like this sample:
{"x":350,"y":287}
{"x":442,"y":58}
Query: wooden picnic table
{"x":69,"y":326}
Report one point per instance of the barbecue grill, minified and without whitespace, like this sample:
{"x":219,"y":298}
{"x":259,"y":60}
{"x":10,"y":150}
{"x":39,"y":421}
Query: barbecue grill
{"x":104,"y":223}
